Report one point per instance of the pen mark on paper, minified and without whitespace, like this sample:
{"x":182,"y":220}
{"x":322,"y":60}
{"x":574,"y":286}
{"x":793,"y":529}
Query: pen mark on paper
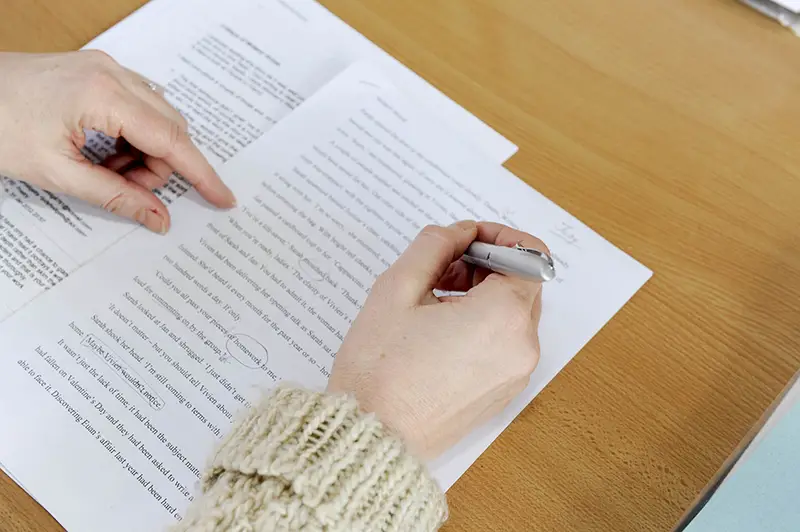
{"x":369,"y":84}
{"x":507,"y":217}
{"x":311,"y":269}
{"x":566,"y":233}
{"x":128,"y":374}
{"x":246,"y":350}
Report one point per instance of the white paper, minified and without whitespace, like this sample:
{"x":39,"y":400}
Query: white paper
{"x":169,"y":24}
{"x":791,"y":5}
{"x":137,"y":363}
{"x":234,"y":70}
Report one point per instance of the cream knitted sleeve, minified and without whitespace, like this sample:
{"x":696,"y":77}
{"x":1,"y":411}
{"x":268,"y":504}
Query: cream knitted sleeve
{"x":309,"y":461}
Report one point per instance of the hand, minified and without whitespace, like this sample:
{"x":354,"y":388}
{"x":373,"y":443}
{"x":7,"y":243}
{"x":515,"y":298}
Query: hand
{"x":433,"y":369}
{"x":46,"y":103}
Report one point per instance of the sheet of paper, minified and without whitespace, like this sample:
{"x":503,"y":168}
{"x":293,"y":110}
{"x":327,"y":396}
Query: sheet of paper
{"x":791,"y":5}
{"x":234,"y":71}
{"x":169,"y":24}
{"x":138,"y":362}
{"x":786,"y":12}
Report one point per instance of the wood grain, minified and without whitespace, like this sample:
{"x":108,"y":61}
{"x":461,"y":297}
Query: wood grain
{"x":672,"y":127}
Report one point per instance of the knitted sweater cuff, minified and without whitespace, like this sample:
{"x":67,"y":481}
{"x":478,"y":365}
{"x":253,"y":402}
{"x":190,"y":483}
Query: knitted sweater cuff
{"x":339,"y":468}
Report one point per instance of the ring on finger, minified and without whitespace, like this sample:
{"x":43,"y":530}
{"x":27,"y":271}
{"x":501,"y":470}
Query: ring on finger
{"x":155,"y":87}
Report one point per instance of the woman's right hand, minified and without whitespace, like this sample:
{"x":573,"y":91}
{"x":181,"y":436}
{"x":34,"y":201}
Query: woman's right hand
{"x":433,"y":369}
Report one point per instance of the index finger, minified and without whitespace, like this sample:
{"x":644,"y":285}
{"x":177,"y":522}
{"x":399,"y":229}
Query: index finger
{"x":503,"y":235}
{"x":187,"y":160}
{"x":495,"y":285}
{"x":150,"y":131}
{"x":461,"y":277}
{"x":420,"y":267}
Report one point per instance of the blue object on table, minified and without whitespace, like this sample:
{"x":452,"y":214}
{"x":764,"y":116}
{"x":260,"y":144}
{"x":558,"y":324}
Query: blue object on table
{"x":763,"y":493}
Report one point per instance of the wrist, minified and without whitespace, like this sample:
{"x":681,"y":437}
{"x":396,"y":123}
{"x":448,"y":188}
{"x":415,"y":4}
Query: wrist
{"x":390,"y":413}
{"x":339,"y":463}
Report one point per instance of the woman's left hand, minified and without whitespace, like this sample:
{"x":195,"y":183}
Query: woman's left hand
{"x":48,"y":101}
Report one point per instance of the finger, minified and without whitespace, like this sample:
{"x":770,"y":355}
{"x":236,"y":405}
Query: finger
{"x":159,"y":168}
{"x":187,"y":161}
{"x":457,"y":278}
{"x":144,"y":89}
{"x":147,"y":83}
{"x":143,"y":177}
{"x":155,"y":134}
{"x":159,"y":102}
{"x":502,"y":235}
{"x":511,"y":296}
{"x":109,"y":190}
{"x":501,"y":289}
{"x":120,"y":162}
{"x":461,"y":277}
{"x":421,"y":266}
{"x":123,"y":146}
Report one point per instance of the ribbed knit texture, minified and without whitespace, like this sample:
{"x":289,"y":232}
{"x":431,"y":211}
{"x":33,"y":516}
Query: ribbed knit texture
{"x":309,"y":461}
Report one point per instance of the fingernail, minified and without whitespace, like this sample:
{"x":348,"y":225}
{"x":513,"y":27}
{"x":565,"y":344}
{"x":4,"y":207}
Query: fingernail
{"x":152,"y":220}
{"x":230,"y":198}
{"x":164,"y":226}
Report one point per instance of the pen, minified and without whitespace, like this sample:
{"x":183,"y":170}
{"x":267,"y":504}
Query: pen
{"x":517,"y":261}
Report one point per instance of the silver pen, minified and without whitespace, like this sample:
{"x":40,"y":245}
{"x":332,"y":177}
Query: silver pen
{"x":518,"y":261}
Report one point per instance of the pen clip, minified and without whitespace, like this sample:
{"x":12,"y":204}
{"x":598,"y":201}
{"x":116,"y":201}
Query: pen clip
{"x":542,"y":254}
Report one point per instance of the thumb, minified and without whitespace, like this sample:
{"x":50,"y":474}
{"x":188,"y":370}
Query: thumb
{"x":102,"y":187}
{"x":421,"y":266}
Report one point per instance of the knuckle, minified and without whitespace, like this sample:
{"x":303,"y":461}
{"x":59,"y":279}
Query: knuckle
{"x":434,"y":231}
{"x":517,"y":388}
{"x":438,"y":238}
{"x":522,"y":359}
{"x":115,"y":204}
{"x":99,"y":57}
{"x":103,"y":82}
{"x":174,"y":134}
{"x":528,"y":361}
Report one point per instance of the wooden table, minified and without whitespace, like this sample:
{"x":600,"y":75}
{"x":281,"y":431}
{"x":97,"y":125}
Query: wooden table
{"x":673,"y":128}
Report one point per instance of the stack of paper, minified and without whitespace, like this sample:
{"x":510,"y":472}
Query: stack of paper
{"x":118,"y":381}
{"x":234,"y":71}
